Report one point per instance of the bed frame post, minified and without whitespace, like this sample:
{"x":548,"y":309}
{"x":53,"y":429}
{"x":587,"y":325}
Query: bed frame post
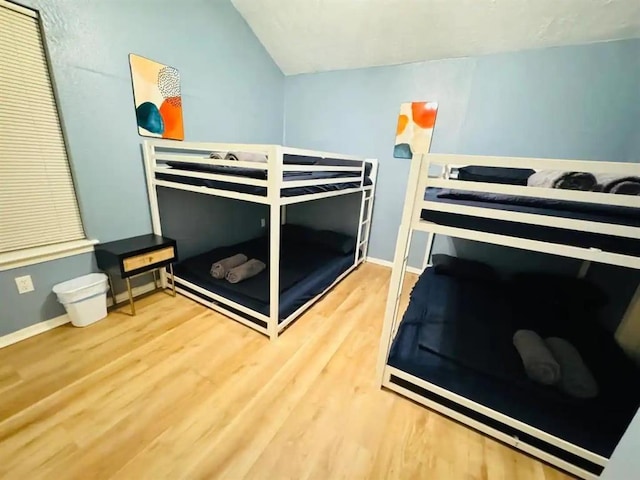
{"x":148,"y":153}
{"x":361,"y":219}
{"x":274,"y":180}
{"x":374,"y":179}
{"x":445,"y":174}
{"x":628,"y":332}
{"x":400,"y":258}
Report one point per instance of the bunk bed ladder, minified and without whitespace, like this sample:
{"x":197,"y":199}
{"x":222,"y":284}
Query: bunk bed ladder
{"x":369,"y":206}
{"x":366,"y":210}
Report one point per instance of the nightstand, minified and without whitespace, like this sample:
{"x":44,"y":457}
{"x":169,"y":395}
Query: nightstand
{"x":131,"y":257}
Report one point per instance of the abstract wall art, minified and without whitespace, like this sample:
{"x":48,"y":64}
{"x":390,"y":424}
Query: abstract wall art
{"x":415,"y":128}
{"x":157,"y":97}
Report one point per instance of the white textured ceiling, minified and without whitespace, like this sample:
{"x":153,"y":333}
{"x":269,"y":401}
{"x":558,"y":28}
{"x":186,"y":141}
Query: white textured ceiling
{"x":316,"y":35}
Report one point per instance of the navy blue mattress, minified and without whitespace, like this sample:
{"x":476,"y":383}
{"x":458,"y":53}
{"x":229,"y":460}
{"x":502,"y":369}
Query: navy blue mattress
{"x":262,"y":174}
{"x":559,"y":208}
{"x":305,"y":271}
{"x":457,"y":334}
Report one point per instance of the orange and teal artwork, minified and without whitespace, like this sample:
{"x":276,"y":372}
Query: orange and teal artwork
{"x":157,"y":97}
{"x":415,"y":128}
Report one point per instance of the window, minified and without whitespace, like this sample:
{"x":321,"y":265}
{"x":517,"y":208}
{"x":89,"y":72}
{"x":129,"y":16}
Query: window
{"x":38,"y":206}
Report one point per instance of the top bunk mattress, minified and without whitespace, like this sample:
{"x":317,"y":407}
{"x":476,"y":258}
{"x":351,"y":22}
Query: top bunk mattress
{"x":262,"y":175}
{"x":469,"y":327}
{"x":558,"y":208}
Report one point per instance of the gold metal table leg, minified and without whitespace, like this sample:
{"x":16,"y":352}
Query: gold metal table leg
{"x":173,"y":279}
{"x":113,"y":291}
{"x":133,"y":308}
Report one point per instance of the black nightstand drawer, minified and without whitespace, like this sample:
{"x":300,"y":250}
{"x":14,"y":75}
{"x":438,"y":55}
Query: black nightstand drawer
{"x":136,"y":255}
{"x":148,"y":260}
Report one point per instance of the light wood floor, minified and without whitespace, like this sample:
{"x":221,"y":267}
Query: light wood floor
{"x":182,"y":392}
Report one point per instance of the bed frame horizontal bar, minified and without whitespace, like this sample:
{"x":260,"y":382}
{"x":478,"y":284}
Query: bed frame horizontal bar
{"x":289,"y":167}
{"x":507,"y":420}
{"x":221,"y":299}
{"x":213,"y":191}
{"x":222,"y":310}
{"x":254,"y":198}
{"x":213,"y":176}
{"x":570,"y":251}
{"x":536,"y":219}
{"x":537,"y":192}
{"x":536,"y":163}
{"x":319,"y":181}
{"x":319,"y":154}
{"x":493,"y":432}
{"x":208,"y":147}
{"x":316,"y":196}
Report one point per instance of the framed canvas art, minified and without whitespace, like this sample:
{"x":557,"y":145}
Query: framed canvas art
{"x":415,"y":128}
{"x":157,"y":97}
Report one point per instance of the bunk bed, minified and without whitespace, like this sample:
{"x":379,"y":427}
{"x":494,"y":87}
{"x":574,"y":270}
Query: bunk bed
{"x":452,"y":351}
{"x":309,"y":262}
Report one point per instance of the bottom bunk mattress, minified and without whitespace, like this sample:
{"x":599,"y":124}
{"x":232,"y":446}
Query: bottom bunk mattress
{"x":457,"y":334}
{"x":306,"y":270}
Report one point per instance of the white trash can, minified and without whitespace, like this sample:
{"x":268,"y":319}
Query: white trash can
{"x":84,"y":298}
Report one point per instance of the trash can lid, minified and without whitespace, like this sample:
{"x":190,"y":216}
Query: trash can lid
{"x":80,"y":283}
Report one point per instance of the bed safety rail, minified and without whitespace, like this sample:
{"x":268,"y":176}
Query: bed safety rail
{"x":445,"y":164}
{"x":278,"y":164}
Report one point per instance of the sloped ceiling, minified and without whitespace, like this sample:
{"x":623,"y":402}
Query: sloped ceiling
{"x":316,"y":35}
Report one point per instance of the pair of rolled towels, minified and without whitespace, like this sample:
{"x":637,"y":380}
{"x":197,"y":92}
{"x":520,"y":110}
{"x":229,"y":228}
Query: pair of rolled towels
{"x":236,"y":268}
{"x":555,"y":361}
{"x":240,"y":156}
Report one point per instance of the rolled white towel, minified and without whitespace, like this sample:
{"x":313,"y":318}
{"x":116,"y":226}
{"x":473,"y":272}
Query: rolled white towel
{"x":221,"y":267}
{"x":539,"y":363}
{"x":247,"y":270}
{"x":577,"y":380}
{"x":247,"y":157}
{"x":544,"y":178}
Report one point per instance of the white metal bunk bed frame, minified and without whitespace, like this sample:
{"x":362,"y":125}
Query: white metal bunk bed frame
{"x":197,"y":153}
{"x":420,"y":179}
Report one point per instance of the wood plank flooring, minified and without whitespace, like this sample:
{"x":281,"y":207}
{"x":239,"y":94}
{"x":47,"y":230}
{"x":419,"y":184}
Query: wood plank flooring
{"x":182,"y":392}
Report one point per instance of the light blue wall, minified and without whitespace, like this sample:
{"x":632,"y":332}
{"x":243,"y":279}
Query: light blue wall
{"x":571,"y":102}
{"x":231,"y":91}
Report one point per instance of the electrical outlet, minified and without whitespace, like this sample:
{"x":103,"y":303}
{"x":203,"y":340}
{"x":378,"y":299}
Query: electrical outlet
{"x":263,"y":222}
{"x":25,"y":284}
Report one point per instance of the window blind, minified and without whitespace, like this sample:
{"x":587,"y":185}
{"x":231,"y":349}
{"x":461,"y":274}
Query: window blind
{"x":38,"y":204}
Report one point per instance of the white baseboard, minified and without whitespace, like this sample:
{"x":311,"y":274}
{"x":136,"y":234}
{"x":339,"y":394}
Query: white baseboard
{"x":41,"y":327}
{"x":33,"y":330}
{"x":388,"y":264}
